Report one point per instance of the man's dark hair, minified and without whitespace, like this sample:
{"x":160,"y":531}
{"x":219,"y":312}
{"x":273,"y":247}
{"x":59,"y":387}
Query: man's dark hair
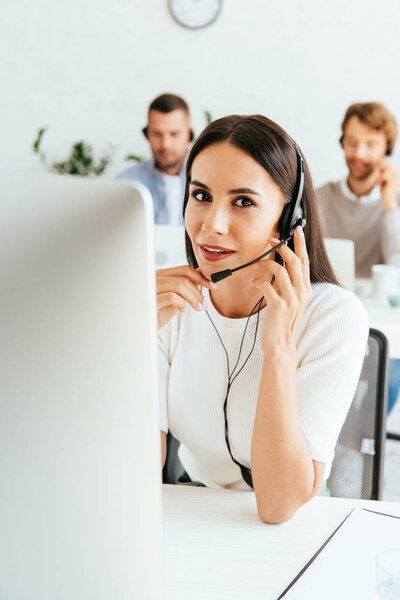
{"x":167,"y":103}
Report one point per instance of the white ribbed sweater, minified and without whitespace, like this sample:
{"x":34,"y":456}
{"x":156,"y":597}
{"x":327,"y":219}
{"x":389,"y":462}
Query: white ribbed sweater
{"x":331,"y":341}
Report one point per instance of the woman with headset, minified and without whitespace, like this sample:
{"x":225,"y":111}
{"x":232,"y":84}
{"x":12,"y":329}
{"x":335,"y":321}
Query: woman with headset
{"x":258,"y":370}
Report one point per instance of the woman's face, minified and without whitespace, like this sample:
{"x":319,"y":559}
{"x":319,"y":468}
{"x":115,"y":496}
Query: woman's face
{"x":233,"y":209}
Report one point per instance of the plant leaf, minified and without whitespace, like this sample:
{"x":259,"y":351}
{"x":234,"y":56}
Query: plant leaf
{"x":135,"y":157}
{"x":38,"y":140}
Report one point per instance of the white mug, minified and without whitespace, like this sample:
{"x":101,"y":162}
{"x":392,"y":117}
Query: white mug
{"x":384,"y":281}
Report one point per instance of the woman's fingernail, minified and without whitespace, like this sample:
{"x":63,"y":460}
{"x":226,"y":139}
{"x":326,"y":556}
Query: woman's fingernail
{"x":274,"y":241}
{"x":299,"y":231}
{"x":202,"y":305}
{"x":251,"y":280}
{"x":212,"y":284}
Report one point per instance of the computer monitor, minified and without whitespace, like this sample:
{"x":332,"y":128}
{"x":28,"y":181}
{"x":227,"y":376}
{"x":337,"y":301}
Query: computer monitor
{"x":80,"y":476}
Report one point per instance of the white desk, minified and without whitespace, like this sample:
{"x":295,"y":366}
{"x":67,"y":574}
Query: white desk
{"x":215,"y":546}
{"x":382,"y":316}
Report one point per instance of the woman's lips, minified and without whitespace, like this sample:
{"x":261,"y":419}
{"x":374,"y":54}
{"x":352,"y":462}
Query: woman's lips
{"x":214,"y":253}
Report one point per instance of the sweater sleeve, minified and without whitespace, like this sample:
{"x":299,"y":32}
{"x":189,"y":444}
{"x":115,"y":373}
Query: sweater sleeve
{"x":329,"y":368}
{"x":390,"y":233}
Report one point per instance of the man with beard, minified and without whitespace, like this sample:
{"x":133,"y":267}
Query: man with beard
{"x":365,"y":206}
{"x":168,"y":132}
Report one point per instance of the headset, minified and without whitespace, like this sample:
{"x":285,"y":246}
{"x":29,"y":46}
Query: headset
{"x":292,"y":216}
{"x":145,"y":133}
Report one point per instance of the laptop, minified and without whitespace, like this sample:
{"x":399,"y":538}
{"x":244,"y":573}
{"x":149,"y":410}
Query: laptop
{"x":341,"y":256}
{"x":80,"y":475}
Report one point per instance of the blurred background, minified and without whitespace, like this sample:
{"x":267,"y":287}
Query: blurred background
{"x":88,"y":70}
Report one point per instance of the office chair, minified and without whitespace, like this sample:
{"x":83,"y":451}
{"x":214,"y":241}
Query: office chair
{"x":357,"y":467}
{"x":173,"y":468}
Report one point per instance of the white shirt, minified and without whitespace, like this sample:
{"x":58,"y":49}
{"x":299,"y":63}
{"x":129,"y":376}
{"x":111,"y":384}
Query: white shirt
{"x":331,"y":341}
{"x":373,"y":196}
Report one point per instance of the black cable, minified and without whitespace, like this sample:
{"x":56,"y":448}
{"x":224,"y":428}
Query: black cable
{"x":246,"y":472}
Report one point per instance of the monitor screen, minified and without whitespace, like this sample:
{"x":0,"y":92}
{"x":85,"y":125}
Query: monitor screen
{"x":80,"y":482}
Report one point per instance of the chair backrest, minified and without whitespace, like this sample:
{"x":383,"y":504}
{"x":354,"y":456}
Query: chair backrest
{"x":358,"y":463}
{"x":173,"y":467}
{"x":341,"y":256}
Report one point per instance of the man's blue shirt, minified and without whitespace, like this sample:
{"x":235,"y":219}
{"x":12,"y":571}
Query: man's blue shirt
{"x":153,"y":179}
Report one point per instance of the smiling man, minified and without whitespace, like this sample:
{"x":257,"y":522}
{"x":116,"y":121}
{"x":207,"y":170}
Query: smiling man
{"x":168,"y":132}
{"x":365,"y":206}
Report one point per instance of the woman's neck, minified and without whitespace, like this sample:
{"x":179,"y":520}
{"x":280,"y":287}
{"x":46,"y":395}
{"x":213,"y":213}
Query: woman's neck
{"x":235,"y":297}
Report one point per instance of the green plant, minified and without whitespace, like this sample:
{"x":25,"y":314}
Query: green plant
{"x":134,"y":157}
{"x":80,"y":160}
{"x":207,"y":116}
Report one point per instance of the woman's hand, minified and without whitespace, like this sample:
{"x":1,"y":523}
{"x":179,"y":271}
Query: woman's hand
{"x":176,"y":287}
{"x":287,"y":298}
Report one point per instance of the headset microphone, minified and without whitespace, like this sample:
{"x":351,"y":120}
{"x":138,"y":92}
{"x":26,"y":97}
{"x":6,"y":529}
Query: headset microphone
{"x":227,"y":272}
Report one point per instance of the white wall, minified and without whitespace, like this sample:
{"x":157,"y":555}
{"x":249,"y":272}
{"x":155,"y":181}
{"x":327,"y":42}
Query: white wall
{"x":88,"y":68}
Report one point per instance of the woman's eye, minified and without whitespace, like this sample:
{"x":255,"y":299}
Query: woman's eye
{"x":200,"y":196}
{"x":243,"y":202}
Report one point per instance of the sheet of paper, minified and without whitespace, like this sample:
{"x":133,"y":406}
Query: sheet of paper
{"x":345,"y":568}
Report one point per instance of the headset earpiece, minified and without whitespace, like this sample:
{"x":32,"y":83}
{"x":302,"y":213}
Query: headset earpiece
{"x":144,"y":131}
{"x":284,"y":221}
{"x":191,"y":137}
{"x":292,"y":213}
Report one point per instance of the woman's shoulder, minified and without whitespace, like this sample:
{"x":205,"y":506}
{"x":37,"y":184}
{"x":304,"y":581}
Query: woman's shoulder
{"x":335,"y":312}
{"x":328,"y":296}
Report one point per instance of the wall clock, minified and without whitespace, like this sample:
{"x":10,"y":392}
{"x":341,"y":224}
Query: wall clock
{"x":195,"y":14}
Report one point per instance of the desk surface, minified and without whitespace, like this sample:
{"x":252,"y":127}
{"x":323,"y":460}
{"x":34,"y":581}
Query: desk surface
{"x":216,"y":547}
